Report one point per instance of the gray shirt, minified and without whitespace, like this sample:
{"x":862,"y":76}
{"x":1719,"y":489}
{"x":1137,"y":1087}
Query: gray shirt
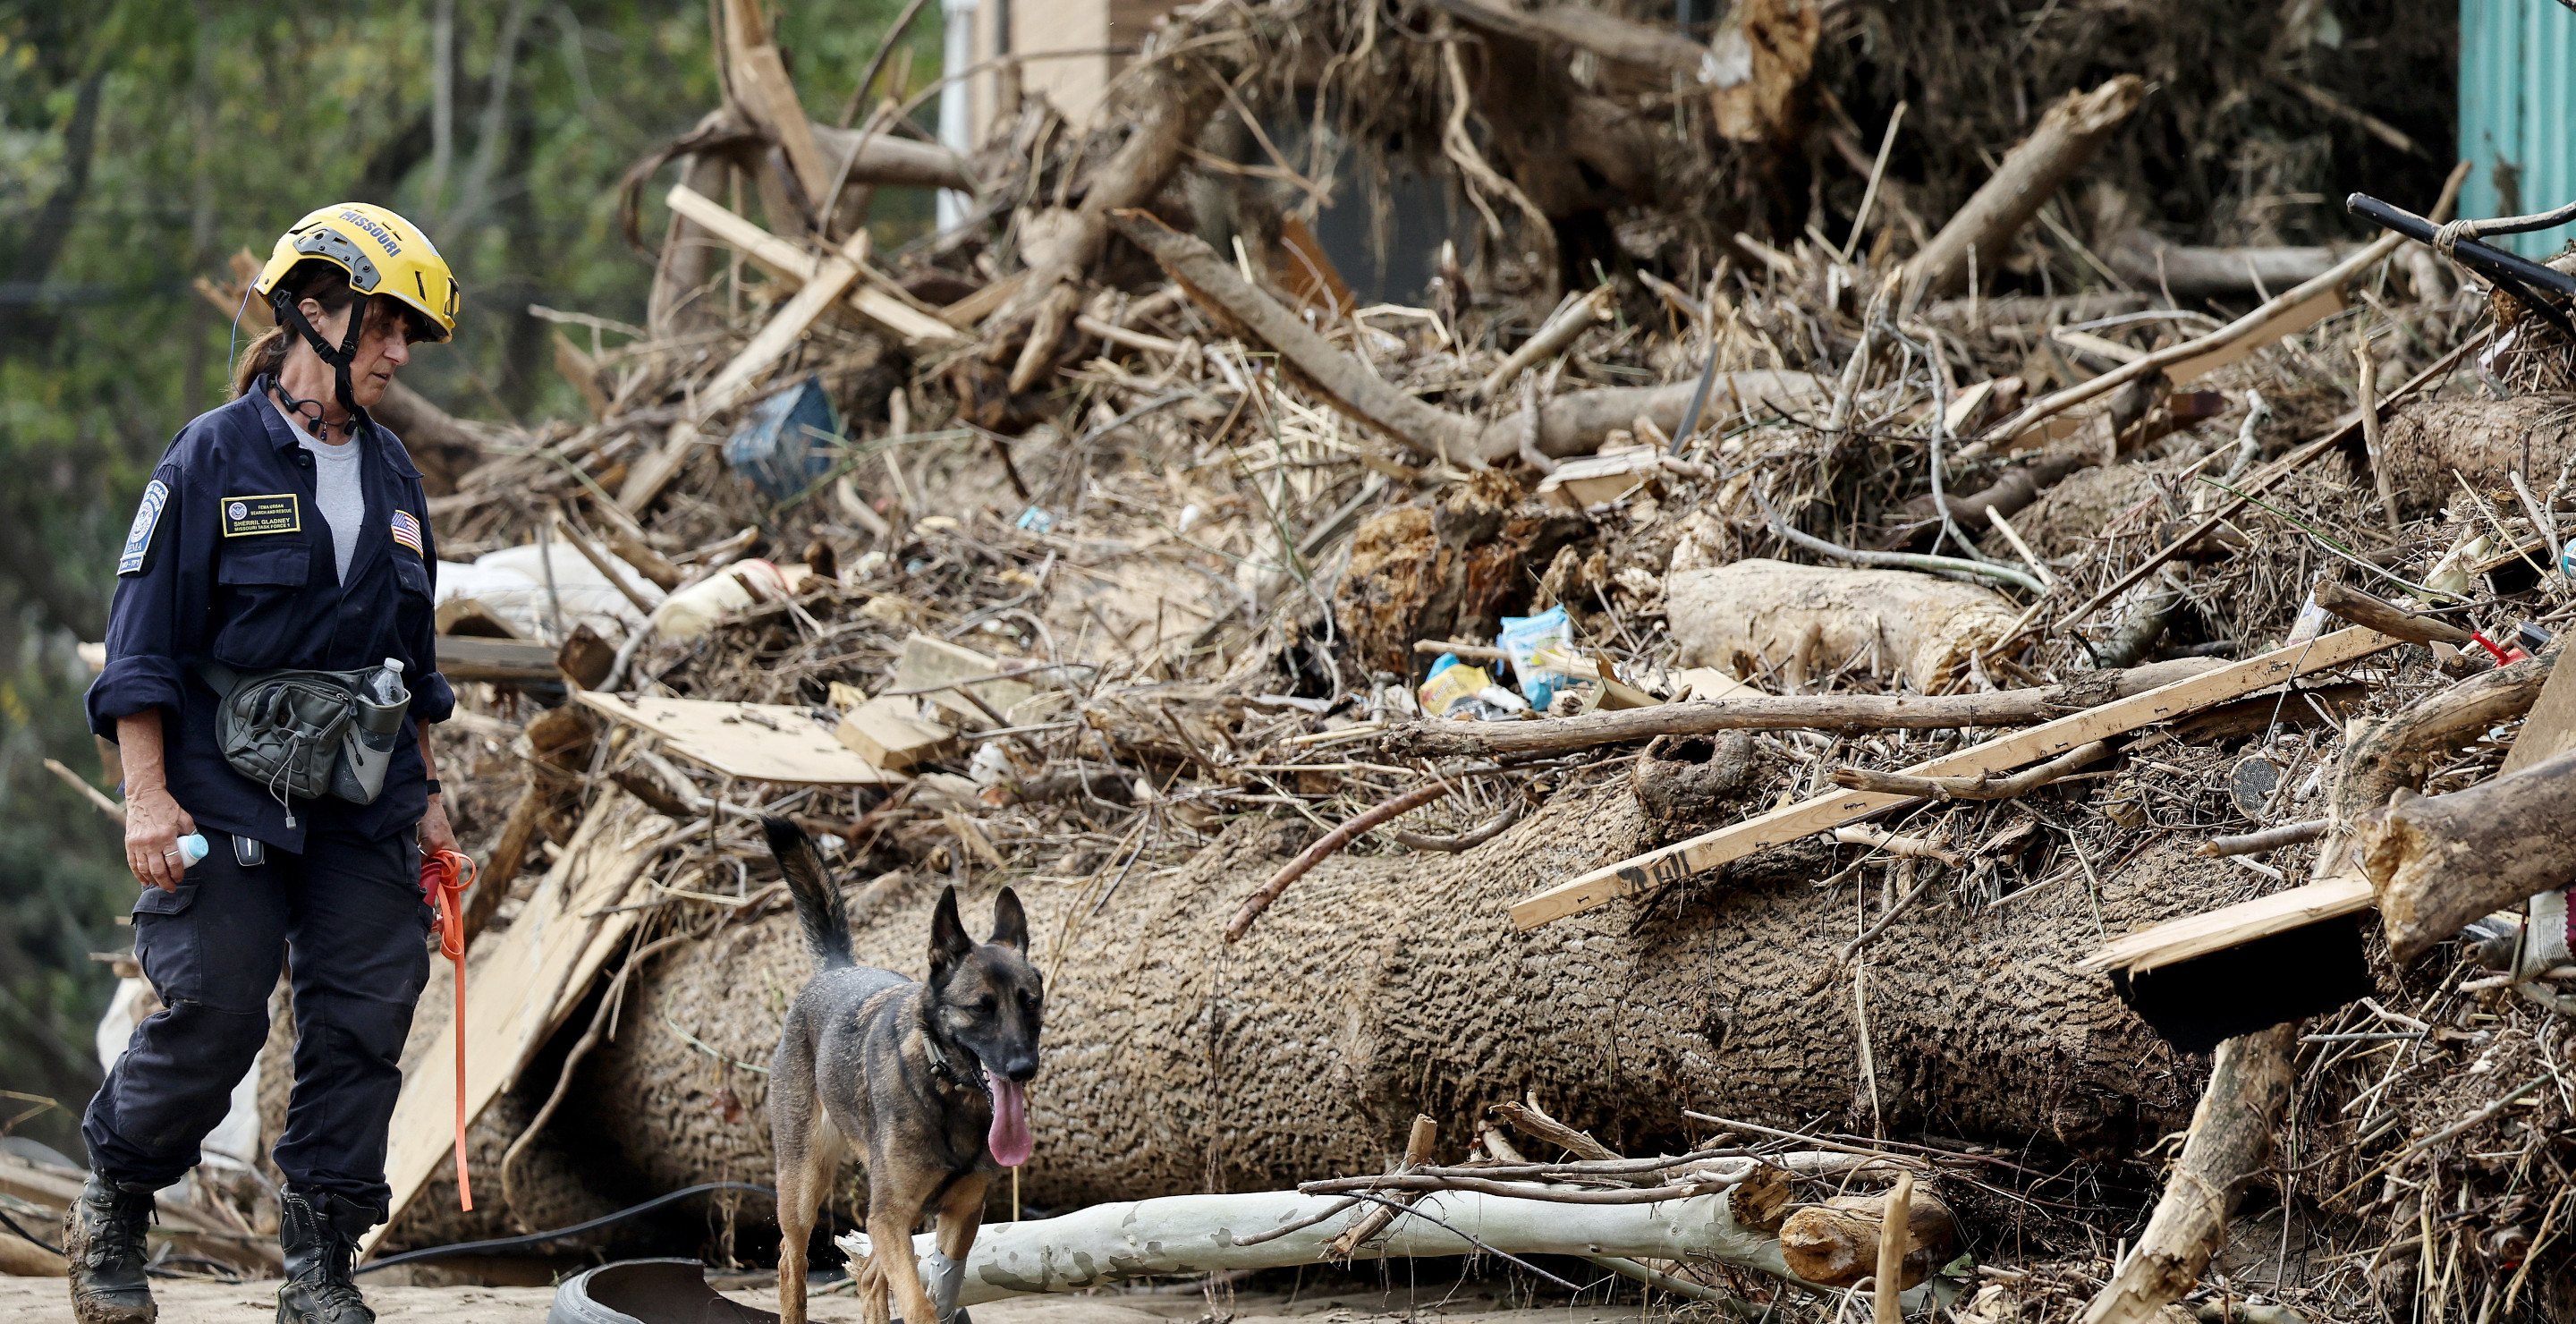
{"x":339,"y":492}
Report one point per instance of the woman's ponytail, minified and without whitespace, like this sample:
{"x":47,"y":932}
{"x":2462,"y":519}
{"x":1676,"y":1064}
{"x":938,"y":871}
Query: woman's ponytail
{"x":265,"y":356}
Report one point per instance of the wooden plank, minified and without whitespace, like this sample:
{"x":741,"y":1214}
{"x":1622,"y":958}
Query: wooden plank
{"x":2289,"y":321}
{"x":764,"y":742}
{"x":832,"y":276}
{"x":521,"y":985}
{"x":2229,"y":926}
{"x":886,"y":733}
{"x":2550,"y":728}
{"x":1711,"y":849}
{"x":788,"y":262}
{"x":927,"y":662}
{"x":761,"y":81}
{"x":465,"y":657}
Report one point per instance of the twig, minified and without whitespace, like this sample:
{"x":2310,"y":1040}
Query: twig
{"x":1895,"y":1222}
{"x":1470,"y":1240}
{"x":1316,"y":854}
{"x":2482,"y":1115}
{"x":1877,"y":172}
{"x":1852,"y":948}
{"x":2270,"y":838}
{"x":95,"y":796}
{"x":1469,"y":839}
{"x":1985,"y":786}
{"x":1919,"y":848}
{"x":1908,"y":560}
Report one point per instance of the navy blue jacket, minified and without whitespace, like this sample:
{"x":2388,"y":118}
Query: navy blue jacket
{"x":228,"y":558}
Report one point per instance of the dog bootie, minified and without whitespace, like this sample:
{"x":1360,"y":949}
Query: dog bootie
{"x":319,"y":1235}
{"x":103,"y":1239}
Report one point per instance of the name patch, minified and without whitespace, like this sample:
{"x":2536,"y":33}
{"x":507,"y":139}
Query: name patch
{"x":248,"y":516}
{"x":147,"y":517}
{"x":407,"y":531}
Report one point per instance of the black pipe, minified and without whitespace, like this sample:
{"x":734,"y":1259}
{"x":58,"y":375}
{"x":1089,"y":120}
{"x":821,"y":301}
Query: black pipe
{"x":538,"y":1238}
{"x":2469,"y":252}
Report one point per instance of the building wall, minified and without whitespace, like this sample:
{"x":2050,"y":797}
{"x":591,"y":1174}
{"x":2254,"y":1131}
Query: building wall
{"x":2518,"y":115}
{"x":1074,"y":84}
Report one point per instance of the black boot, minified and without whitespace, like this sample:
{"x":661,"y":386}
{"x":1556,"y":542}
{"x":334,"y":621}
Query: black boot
{"x":319,"y":1234}
{"x":103,"y":1239}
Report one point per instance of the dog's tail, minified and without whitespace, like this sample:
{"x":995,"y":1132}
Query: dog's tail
{"x":818,"y":903}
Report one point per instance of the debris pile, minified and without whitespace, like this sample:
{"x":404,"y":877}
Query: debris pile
{"x":1816,"y":717}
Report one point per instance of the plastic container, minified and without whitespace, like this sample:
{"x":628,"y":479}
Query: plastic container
{"x":692,"y":611}
{"x":780,"y":447}
{"x":193,"y":848}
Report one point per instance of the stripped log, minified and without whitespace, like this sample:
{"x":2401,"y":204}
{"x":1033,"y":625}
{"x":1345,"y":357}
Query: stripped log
{"x":2231,"y":1134}
{"x":1196,"y":1234}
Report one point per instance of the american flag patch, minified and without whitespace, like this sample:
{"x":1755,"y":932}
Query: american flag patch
{"x":407,"y":531}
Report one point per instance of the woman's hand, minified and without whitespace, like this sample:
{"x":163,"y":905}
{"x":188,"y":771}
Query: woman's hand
{"x":435,"y":834}
{"x":153,"y":825}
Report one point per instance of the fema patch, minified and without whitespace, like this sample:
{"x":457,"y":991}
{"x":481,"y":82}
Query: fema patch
{"x":147,"y":517}
{"x":244,"y":516}
{"x":407,"y":531}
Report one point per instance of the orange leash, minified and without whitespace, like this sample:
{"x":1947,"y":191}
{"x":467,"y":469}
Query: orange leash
{"x":443,"y":878}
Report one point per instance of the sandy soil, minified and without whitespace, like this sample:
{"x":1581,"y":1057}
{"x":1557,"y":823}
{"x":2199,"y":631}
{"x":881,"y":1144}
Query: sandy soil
{"x":43,"y":1301}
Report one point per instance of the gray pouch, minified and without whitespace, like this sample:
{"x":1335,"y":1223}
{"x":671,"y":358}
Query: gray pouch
{"x":284,"y":729}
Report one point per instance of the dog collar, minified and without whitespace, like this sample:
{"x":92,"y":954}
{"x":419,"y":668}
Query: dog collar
{"x":939,"y":1062}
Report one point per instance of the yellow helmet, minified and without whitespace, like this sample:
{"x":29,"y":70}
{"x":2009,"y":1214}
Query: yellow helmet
{"x":383,"y":254}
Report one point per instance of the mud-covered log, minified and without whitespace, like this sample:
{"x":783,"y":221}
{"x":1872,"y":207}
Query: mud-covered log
{"x":2440,"y":861}
{"x":1385,"y":986}
{"x":2481,"y":438}
{"x":1808,"y":621}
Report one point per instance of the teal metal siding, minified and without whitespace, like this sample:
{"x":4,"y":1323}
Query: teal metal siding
{"x":2518,"y":114}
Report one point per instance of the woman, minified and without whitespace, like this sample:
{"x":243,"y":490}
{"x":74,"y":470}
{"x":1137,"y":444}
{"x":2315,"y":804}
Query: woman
{"x":285,"y":530}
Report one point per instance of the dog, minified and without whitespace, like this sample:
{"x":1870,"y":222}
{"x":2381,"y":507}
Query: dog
{"x":925,"y":1082}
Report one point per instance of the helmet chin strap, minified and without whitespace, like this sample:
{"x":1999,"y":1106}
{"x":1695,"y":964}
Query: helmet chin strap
{"x":290,"y":312}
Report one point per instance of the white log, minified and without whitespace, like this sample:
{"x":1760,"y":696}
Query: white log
{"x":1195,"y":1234}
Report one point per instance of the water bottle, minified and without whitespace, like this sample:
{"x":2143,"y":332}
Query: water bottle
{"x":368,"y":750}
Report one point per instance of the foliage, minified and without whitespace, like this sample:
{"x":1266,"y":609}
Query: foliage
{"x":144,"y":141}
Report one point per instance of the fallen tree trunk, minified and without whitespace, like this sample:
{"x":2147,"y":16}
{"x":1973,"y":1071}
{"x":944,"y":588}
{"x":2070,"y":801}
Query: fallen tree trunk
{"x":2441,"y":861}
{"x":2231,"y":1134}
{"x":1819,"y":712}
{"x":1196,"y":1234}
{"x":1385,"y":986}
{"x":1570,"y":424}
{"x":2397,"y":751}
{"x":2066,"y":138}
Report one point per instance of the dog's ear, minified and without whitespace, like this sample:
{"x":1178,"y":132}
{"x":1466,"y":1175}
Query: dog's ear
{"x":948,"y":941}
{"x":1010,"y":923}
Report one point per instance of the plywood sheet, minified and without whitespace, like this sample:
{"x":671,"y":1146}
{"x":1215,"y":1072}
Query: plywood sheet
{"x":521,"y":984}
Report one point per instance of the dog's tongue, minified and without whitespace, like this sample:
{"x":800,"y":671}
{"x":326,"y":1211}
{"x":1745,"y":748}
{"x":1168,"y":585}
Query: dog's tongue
{"x":1009,"y":1139}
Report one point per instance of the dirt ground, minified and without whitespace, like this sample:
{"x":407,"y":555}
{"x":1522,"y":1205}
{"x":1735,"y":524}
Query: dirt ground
{"x":43,"y":1301}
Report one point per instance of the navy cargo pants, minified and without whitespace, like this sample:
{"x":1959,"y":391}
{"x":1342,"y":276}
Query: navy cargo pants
{"x":349,"y":913}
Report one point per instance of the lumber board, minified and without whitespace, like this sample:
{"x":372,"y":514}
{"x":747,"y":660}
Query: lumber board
{"x":766,"y":742}
{"x":927,"y":662}
{"x":520,"y":988}
{"x":831,"y":277}
{"x":2549,"y":730}
{"x":2289,"y":321}
{"x":786,"y":261}
{"x":1698,"y":854}
{"x":886,"y":733}
{"x":2230,"y":926}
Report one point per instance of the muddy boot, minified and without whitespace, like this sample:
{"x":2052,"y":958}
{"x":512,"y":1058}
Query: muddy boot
{"x":103,"y":1239}
{"x":319,"y":1234}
